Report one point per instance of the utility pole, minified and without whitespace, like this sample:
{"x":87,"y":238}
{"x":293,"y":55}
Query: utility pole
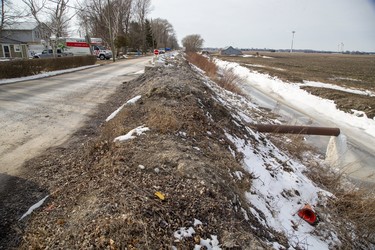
{"x":110,"y":33}
{"x":291,"y":48}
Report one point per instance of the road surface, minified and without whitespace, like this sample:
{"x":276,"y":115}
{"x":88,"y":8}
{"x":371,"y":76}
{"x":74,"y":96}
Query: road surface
{"x":38,"y":114}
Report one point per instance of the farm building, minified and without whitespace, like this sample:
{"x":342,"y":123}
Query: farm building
{"x":230,"y":51}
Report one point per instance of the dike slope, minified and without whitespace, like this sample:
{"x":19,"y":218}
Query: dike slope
{"x":176,"y":179}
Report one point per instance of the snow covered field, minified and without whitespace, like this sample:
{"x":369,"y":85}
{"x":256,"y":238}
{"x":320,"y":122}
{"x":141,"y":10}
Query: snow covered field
{"x":359,"y":129}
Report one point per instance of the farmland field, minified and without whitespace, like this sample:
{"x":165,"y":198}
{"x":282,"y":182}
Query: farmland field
{"x":351,"y":71}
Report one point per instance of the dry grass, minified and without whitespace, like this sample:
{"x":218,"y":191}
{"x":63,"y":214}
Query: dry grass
{"x":163,"y":120}
{"x":357,"y":206}
{"x":226,"y":79}
{"x":293,"y":144}
{"x":203,"y":63}
{"x":352,"y":208}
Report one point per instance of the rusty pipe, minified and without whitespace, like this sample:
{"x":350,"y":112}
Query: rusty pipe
{"x":285,"y":129}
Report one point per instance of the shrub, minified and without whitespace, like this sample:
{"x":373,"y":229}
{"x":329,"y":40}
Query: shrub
{"x":203,"y":63}
{"x":227,"y":78}
{"x":20,"y":68}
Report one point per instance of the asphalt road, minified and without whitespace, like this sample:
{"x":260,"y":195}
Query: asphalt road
{"x":38,"y":114}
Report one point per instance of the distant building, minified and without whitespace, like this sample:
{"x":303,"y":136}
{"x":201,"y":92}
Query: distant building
{"x":17,"y":39}
{"x":10,"y":48}
{"x":27,"y":32}
{"x":230,"y":51}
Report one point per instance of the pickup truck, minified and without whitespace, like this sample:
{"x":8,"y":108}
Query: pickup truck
{"x":47,"y":53}
{"x":101,"y":52}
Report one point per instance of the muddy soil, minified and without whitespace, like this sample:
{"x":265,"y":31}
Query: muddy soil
{"x":102,"y":194}
{"x":346,"y":101}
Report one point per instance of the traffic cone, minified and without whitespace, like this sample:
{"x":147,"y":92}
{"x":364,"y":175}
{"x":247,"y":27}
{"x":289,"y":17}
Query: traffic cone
{"x":308,"y":214}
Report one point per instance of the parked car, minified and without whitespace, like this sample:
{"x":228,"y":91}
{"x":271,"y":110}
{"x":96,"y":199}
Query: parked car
{"x":49,"y":53}
{"x":102,"y":53}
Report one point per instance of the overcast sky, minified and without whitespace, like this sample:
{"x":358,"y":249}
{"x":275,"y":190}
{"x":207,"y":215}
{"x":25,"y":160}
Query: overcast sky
{"x":318,"y":24}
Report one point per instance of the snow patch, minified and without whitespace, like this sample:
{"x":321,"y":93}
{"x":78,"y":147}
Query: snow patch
{"x":45,"y":74}
{"x":336,"y":87}
{"x":129,"y":102}
{"x":210,"y":244}
{"x":279,"y":193}
{"x":184,"y":232}
{"x":33,"y":207}
{"x":131,"y":134}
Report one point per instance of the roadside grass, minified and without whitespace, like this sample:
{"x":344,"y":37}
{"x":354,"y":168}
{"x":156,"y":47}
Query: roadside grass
{"x":163,"y":120}
{"x":358,"y":206}
{"x":226,"y":79}
{"x":203,"y":63}
{"x":340,"y":69}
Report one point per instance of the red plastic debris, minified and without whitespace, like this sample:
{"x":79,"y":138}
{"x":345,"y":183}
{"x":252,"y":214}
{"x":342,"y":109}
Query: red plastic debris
{"x":308,"y":215}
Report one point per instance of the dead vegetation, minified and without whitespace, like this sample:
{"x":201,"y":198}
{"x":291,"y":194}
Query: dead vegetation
{"x":224,"y":78}
{"x":203,"y":63}
{"x":352,"y":207}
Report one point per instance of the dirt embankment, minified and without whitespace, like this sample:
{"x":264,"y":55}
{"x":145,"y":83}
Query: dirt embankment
{"x":177,"y":178}
{"x":102,"y":193}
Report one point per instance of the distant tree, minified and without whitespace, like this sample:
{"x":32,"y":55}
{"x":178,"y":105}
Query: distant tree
{"x":51,"y":14}
{"x":94,"y":18}
{"x":150,"y":41}
{"x":135,"y":36}
{"x":141,"y":9}
{"x":164,"y":34}
{"x":121,"y":42}
{"x":192,"y":43}
{"x":9,"y":13}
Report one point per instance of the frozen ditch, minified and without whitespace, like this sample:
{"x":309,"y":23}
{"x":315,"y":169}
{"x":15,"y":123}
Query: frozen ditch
{"x":297,"y":107}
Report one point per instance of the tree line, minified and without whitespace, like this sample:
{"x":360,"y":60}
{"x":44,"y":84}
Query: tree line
{"x":122,"y":24}
{"x":128,"y":23}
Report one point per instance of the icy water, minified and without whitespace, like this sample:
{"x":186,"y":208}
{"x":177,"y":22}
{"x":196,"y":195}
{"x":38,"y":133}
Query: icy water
{"x":347,"y":152}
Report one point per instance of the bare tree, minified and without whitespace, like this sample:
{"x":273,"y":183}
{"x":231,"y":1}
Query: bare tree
{"x":95,"y":14}
{"x":141,"y":9}
{"x":2,"y":21}
{"x":53,"y":14}
{"x":164,"y":33}
{"x":58,"y":18}
{"x":192,"y":43}
{"x":9,"y":13}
